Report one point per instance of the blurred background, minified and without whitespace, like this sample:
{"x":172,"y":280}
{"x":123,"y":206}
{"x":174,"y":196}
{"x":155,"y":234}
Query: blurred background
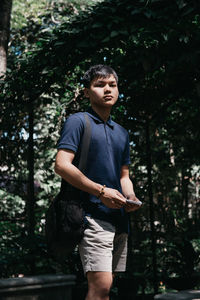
{"x":154,"y":46}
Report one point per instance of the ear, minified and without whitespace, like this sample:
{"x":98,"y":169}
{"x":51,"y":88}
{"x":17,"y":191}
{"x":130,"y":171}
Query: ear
{"x":86,"y":92}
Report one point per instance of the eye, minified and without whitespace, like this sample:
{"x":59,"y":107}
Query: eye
{"x":99,"y":85}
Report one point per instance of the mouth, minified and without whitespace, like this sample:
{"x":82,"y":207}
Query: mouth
{"x":108,"y":97}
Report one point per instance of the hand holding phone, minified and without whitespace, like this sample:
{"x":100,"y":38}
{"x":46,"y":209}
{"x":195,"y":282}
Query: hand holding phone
{"x":138,"y":202}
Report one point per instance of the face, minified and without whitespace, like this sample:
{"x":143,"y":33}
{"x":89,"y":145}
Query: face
{"x":103,"y":92}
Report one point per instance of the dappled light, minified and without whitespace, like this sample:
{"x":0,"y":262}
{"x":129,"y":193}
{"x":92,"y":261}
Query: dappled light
{"x":154,"y":47}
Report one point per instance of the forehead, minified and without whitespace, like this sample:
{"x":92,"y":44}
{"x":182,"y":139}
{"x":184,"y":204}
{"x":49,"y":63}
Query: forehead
{"x":108,"y":79}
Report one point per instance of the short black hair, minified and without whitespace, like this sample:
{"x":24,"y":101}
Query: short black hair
{"x":98,"y":71}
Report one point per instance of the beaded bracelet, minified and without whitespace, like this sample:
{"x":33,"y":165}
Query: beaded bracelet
{"x":101,"y":191}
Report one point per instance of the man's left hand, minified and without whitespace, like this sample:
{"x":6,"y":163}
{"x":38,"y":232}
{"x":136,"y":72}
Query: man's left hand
{"x":132,"y":206}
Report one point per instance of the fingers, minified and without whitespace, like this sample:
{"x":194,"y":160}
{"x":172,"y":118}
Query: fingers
{"x":114,"y":199}
{"x":131,"y":207}
{"x":119,"y":204}
{"x":120,"y":199}
{"x":115,"y":204}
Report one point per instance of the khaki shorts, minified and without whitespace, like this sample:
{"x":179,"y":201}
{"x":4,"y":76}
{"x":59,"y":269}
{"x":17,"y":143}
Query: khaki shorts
{"x":102,"y":248}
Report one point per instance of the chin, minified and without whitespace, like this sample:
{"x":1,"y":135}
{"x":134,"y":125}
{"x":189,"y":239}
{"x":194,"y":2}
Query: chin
{"x":110,"y":102}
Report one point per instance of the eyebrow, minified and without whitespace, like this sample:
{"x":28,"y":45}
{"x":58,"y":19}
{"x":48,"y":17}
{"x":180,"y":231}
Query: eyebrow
{"x":102,"y":81}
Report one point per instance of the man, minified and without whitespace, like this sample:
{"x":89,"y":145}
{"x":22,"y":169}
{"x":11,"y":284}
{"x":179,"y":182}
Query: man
{"x":106,"y":184}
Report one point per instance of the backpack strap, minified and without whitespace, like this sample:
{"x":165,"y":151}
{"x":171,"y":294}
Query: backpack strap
{"x":85,"y":145}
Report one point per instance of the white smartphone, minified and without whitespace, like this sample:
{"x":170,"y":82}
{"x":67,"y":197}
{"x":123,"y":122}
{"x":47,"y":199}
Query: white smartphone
{"x":134,"y":202}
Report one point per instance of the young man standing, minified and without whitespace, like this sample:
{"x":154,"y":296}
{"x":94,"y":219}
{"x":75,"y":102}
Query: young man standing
{"x":105,"y":184}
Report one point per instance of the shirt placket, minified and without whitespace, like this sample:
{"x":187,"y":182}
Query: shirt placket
{"x":108,"y":145}
{"x":106,"y":134}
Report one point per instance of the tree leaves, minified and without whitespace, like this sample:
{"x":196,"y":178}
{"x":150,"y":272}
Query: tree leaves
{"x":153,"y":46}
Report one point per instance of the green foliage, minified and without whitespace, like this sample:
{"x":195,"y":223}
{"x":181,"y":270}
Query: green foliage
{"x":153,"y":45}
{"x":12,"y":205}
{"x":24,"y":11}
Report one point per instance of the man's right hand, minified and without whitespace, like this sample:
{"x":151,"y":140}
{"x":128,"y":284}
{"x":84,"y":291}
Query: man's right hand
{"x":112,"y":198}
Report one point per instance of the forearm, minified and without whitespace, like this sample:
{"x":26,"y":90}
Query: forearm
{"x":76,"y":178}
{"x":64,"y":167}
{"x":127,"y":187}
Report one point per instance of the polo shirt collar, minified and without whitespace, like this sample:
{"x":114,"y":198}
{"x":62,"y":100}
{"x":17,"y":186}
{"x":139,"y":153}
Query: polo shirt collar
{"x":97,"y":118}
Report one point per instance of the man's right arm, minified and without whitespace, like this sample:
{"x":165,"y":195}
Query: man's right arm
{"x":70,"y":173}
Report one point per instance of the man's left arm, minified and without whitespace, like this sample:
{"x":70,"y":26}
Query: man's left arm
{"x":127,"y":189}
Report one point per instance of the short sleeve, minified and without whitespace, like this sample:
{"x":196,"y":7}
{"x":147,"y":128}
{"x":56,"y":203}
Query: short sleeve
{"x":71,"y":133}
{"x":126,"y":154}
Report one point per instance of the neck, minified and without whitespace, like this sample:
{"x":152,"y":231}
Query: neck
{"x":104,"y":113}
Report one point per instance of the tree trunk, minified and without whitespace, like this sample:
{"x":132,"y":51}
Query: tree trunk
{"x":5,"y":13}
{"x":151,"y":206}
{"x":30,"y":204}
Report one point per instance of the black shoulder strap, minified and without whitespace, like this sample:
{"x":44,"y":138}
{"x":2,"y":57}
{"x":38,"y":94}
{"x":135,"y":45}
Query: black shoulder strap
{"x":85,"y":144}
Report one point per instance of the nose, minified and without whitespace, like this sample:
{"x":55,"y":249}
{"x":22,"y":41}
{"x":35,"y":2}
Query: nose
{"x":107,"y":88}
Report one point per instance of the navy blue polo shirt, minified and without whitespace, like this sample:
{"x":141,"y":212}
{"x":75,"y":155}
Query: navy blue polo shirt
{"x":108,"y":152}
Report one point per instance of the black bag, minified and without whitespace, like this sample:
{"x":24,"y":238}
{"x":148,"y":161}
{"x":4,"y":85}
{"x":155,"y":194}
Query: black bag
{"x":64,"y":226}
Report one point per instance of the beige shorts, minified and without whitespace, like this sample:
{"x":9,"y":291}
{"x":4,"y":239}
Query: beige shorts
{"x":102,"y":248}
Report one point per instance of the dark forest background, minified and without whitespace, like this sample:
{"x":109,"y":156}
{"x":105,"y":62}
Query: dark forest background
{"x":45,"y":48}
